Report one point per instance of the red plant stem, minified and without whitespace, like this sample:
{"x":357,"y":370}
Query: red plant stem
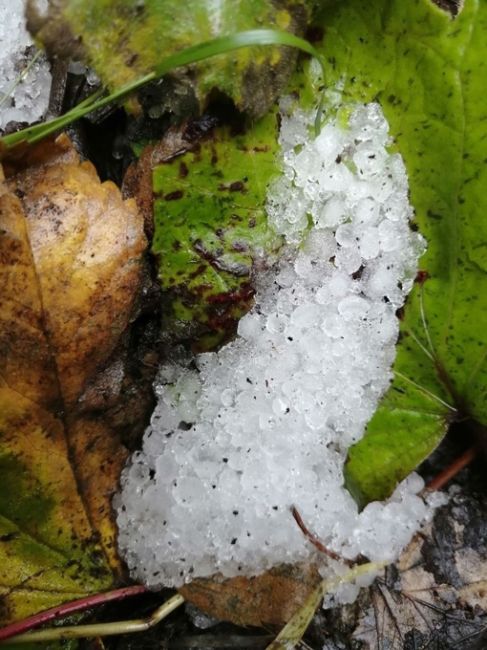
{"x":452,"y":470}
{"x":61,"y":611}
{"x":317,"y":543}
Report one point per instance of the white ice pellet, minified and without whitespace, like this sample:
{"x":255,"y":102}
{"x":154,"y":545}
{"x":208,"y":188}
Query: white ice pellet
{"x":265,"y":423}
{"x":331,"y":213}
{"x":27,"y":100}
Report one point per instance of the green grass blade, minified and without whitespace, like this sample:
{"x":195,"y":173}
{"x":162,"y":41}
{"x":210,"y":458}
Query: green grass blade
{"x":225,"y":44}
{"x":292,"y":633}
{"x":190,"y":55}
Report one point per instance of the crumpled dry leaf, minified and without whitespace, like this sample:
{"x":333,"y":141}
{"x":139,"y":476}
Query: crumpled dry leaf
{"x":435,"y":596}
{"x":70,"y":270}
{"x":268,"y":599}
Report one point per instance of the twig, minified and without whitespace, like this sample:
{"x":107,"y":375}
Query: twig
{"x":20,"y":78}
{"x":100,"y":629}
{"x":452,"y":470}
{"x":66,"y":609}
{"x":317,"y":543}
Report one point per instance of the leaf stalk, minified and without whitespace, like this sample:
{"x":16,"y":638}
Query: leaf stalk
{"x":100,"y":629}
{"x":67,"y":609}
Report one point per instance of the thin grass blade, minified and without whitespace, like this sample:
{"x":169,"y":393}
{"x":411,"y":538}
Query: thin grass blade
{"x":188,"y":56}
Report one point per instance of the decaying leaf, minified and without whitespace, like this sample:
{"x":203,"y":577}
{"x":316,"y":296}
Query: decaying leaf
{"x":435,"y":596}
{"x":125,"y":39}
{"x":268,"y":599}
{"x":292,"y":633}
{"x":71,"y":267}
{"x":205,"y":188}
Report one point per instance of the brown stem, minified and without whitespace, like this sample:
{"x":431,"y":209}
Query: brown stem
{"x":61,"y":611}
{"x":452,"y":470}
{"x":317,"y":543}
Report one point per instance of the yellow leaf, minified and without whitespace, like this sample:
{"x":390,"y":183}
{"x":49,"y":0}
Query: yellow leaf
{"x":70,"y":272}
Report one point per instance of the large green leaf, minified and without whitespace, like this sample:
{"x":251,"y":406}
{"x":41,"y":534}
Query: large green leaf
{"x":211,"y":226}
{"x":426,"y":70}
{"x":429,"y":72}
{"x":125,"y":39}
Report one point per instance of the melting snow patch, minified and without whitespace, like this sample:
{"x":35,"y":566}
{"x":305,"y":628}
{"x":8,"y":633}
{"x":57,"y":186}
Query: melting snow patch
{"x":27,"y":100}
{"x":265,"y":423}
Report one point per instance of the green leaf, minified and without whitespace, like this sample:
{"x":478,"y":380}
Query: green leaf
{"x":126,"y":39}
{"x":428,"y":71}
{"x":210,"y":226}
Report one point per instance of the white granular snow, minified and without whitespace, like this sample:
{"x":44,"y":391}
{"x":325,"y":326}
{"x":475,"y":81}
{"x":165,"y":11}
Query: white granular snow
{"x":28,"y":101}
{"x":265,"y":423}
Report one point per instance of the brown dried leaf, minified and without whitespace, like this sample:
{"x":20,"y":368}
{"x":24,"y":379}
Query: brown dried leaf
{"x":268,"y":599}
{"x":433,"y":597}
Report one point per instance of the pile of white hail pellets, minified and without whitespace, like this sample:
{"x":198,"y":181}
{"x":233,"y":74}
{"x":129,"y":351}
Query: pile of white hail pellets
{"x":264,"y":424}
{"x":24,"y":87}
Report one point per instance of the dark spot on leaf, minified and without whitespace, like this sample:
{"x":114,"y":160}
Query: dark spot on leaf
{"x":132,"y":59}
{"x":421,"y":277}
{"x":236,"y":186}
{"x":314,"y":33}
{"x":174,"y":196}
{"x":452,"y":6}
